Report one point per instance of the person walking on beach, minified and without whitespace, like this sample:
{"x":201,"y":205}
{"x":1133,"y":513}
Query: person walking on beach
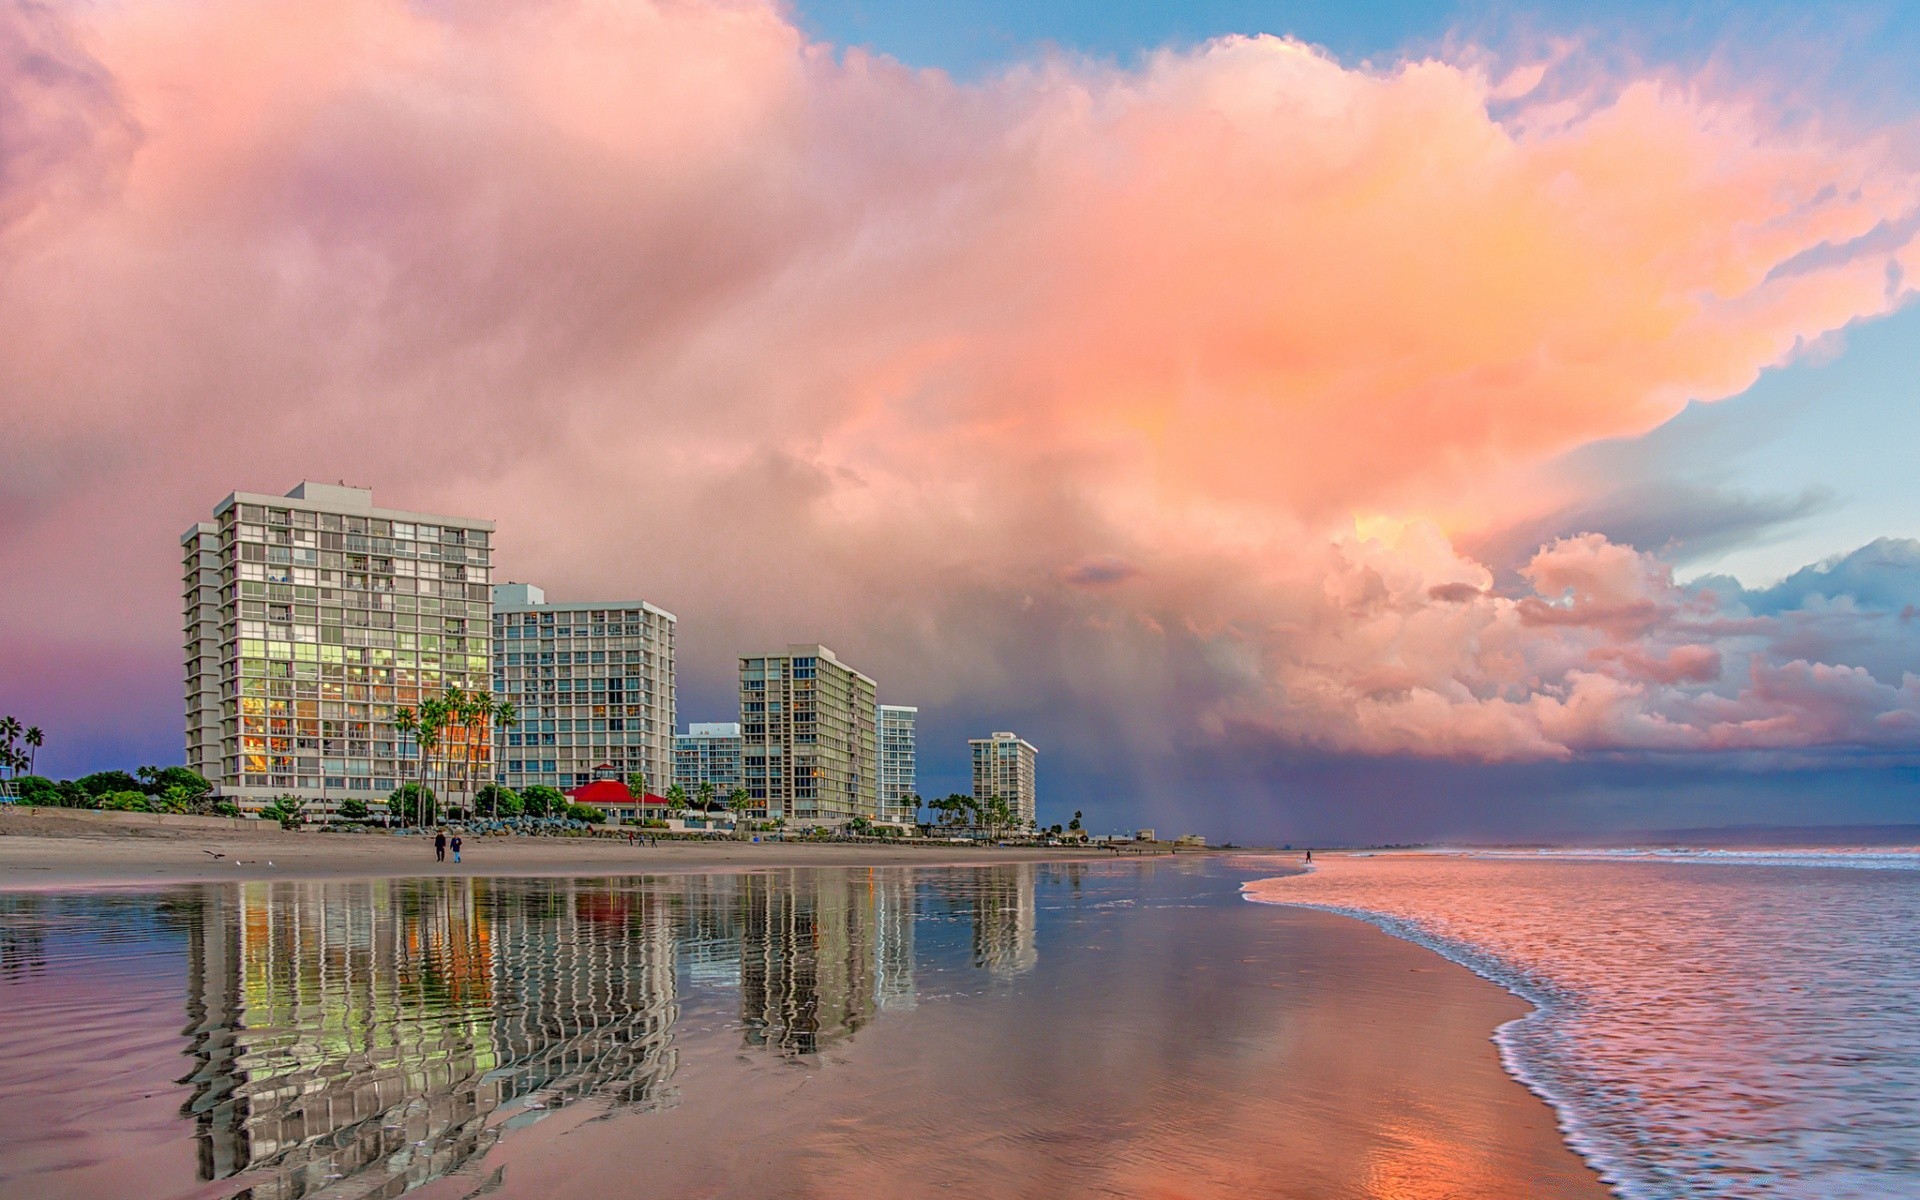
{"x":456,"y":847}
{"x":440,"y":847}
{"x":1309,"y":856}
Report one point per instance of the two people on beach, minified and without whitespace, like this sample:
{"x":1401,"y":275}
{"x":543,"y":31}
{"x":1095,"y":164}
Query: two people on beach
{"x":440,"y":847}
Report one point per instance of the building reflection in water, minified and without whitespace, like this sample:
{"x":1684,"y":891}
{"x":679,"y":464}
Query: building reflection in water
{"x":999,"y":905}
{"x":368,"y":1037}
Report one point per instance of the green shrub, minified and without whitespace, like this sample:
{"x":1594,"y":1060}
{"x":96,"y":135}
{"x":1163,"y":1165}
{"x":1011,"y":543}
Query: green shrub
{"x":541,"y":800}
{"x":353,"y":810}
{"x":585,"y":812}
{"x":128,"y":801}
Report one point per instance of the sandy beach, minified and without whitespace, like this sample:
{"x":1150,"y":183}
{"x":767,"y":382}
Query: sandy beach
{"x":65,"y":848}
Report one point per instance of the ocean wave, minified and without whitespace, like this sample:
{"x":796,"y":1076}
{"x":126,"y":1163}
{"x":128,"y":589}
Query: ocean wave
{"x":1696,"y":1035}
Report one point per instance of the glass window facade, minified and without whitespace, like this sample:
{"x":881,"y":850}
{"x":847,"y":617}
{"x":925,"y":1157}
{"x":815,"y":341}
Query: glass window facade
{"x":809,"y":752}
{"x":310,"y":620}
{"x":592,"y":685}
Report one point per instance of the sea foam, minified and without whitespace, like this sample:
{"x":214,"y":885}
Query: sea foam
{"x":1706,"y":1023}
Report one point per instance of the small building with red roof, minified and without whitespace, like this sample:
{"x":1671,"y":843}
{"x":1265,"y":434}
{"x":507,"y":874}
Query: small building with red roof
{"x":614,"y":798}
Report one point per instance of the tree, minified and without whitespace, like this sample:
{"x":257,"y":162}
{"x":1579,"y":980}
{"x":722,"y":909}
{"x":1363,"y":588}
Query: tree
{"x":637,"y":784}
{"x":996,"y":814}
{"x":1075,"y":823}
{"x":585,"y":812}
{"x":11,"y":759}
{"x":35,"y":739}
{"x":104,"y":783}
{"x":474,"y":713}
{"x":506,"y":717}
{"x":541,"y":800}
{"x":353,"y":810}
{"x":676,"y":801}
{"x":184,"y":790}
{"x":707,"y":801}
{"x":288,"y":810}
{"x":740,"y":803}
{"x":432,"y":721}
{"x":131,"y":800}
{"x":452,"y":712}
{"x":499,"y":801}
{"x":860,"y":827}
{"x":412,"y":802}
{"x":406,"y":723}
{"x":35,"y":790}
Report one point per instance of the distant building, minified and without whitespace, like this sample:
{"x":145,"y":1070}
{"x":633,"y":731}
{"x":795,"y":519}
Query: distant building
{"x":310,"y":618}
{"x":1196,"y":840}
{"x":1145,"y":835}
{"x":709,"y":752}
{"x":899,"y":773}
{"x":808,"y":742}
{"x":592,"y":683}
{"x":1005,"y":765}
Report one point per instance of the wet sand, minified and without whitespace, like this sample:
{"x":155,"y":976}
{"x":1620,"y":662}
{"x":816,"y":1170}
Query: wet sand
{"x":58,"y":849}
{"x":1321,"y":1060}
{"x":1071,"y":1029}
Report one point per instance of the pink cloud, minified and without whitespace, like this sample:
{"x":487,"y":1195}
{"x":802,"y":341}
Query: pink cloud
{"x":802,"y":343}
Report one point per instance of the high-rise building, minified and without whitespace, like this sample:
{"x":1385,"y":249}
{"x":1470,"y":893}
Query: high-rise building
{"x":1004,"y":766}
{"x":592,"y":686}
{"x":808,"y":752}
{"x":310,"y":618}
{"x":899,"y":780}
{"x":709,"y":752}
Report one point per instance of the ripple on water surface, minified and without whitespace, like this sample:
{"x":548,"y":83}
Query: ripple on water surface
{"x":1709,"y":1024}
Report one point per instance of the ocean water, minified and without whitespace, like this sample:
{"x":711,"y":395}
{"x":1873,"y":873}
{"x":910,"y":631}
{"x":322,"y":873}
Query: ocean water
{"x":1025,"y":1031}
{"x":1733,"y":1023}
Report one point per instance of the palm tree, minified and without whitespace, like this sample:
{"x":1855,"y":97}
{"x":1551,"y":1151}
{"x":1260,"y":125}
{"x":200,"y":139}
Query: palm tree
{"x":707,"y":801}
{"x":739,"y":802}
{"x":676,"y":801}
{"x":35,"y":739}
{"x":475,"y":716}
{"x":9,"y":733}
{"x":506,"y":717}
{"x":432,"y":720}
{"x":406,"y":723}
{"x":456,"y":714}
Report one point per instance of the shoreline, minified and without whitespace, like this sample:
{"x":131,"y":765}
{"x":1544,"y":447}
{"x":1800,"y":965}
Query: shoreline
{"x":1481,"y":966}
{"x":58,"y":849}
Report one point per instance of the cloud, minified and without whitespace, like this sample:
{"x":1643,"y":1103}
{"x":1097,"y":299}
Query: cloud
{"x":1099,"y":571}
{"x":807,"y":343}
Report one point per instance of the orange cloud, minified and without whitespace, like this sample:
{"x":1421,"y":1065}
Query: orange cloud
{"x":807,"y":342}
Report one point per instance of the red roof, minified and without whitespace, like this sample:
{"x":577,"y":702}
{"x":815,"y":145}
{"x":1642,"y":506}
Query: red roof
{"x":609,"y":791}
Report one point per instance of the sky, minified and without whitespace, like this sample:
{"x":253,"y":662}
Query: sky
{"x":1304,"y":422}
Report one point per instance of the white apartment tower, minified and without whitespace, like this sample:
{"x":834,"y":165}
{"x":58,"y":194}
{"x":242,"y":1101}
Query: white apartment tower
{"x":708,"y":752}
{"x":899,"y":781}
{"x":1004,"y":766}
{"x":309,"y":618}
{"x":809,"y":751}
{"x":592,"y":686}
